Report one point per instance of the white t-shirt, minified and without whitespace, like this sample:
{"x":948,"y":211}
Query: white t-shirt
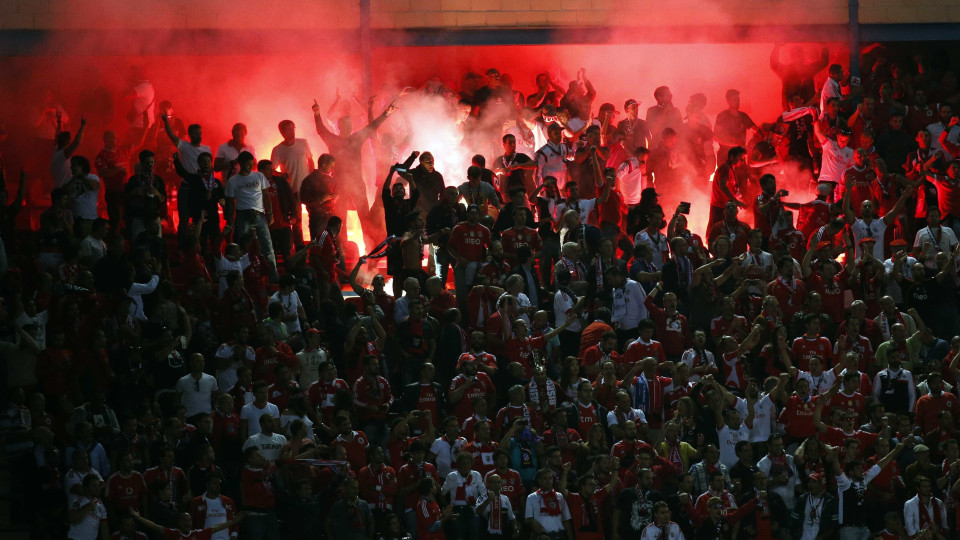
{"x":229,"y":153}
{"x":73,"y":478}
{"x":196,"y":395}
{"x":225,"y":266}
{"x":875,"y":229}
{"x":269,"y":445}
{"x":310,"y":365}
{"x":291,"y":303}
{"x":296,"y":160}
{"x":935,"y":130}
{"x":216,"y":514}
{"x":227,"y":377}
{"x":248,"y":190}
{"x":561,"y":304}
{"x":189,"y":153}
{"x":819,"y":384}
{"x":84,"y":199}
{"x":831,"y":89}
{"x":764,"y":417}
{"x":835,"y":161}
{"x":941,"y":238}
{"x":251,"y":414}
{"x":535,"y":510}
{"x":658,"y":243}
{"x":93,"y":249}
{"x":631,"y":179}
{"x":728,"y":442}
{"x":287,"y":419}
{"x":60,"y":168}
{"x":145,"y":101}
{"x":87,"y":528}
{"x":446,"y":454}
{"x":628,"y":306}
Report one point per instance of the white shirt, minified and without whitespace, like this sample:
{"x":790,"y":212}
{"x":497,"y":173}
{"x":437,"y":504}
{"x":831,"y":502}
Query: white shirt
{"x":472,"y":487}
{"x":216,"y":514}
{"x":911,"y":514}
{"x":636,"y":415}
{"x":227,"y":378}
{"x":764,"y":419}
{"x":631,"y":177}
{"x":902,"y":374}
{"x":87,"y":528}
{"x":251,"y":414}
{"x":812,"y":517}
{"x":785,"y":491}
{"x":728,"y":441}
{"x":189,"y":153}
{"x":690,"y":357}
{"x":296,"y":160}
{"x":446,"y":454}
{"x":584,"y":208}
{"x":310,"y":361}
{"x":835,"y":161}
{"x":225,"y":266}
{"x":819,"y":384}
{"x":60,"y":168}
{"x":893,"y":288}
{"x":291,"y":304}
{"x":269,"y":445}
{"x":136,"y":292}
{"x":144,"y":101}
{"x":935,"y":130}
{"x":248,"y":190}
{"x":654,"y":532}
{"x":195,"y":395}
{"x":84,"y":199}
{"x":561,"y":304}
{"x":844,"y":483}
{"x":831,"y":89}
{"x":628,"y":307}
{"x":505,"y":507}
{"x":941,"y":238}
{"x":658,"y":243}
{"x":92,"y":250}
{"x":875,"y":229}
{"x":73,"y":478}
{"x":763,"y":259}
{"x":229,"y":153}
{"x":550,"y":524}
{"x":551,"y":161}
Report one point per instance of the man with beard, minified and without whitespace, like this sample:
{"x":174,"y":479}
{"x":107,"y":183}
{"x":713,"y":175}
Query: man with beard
{"x":662,"y":115}
{"x":511,"y":167}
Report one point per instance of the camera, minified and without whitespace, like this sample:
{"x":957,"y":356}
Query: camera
{"x":683,"y":208}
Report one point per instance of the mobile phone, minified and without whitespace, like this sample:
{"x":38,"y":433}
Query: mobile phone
{"x":683,"y":208}
{"x":854,"y":81}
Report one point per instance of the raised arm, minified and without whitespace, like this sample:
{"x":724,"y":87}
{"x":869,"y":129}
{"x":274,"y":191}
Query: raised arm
{"x":77,"y":139}
{"x":146,"y":522}
{"x":169,"y":129}
{"x":890,"y":216}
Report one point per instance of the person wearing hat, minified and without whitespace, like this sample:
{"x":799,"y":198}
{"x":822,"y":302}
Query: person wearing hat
{"x":635,"y":130}
{"x":553,"y":156}
{"x":923,"y":466}
{"x":869,"y":225}
{"x":815,"y":513}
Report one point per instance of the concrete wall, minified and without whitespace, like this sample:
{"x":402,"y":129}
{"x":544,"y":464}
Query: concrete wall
{"x":400,"y":14}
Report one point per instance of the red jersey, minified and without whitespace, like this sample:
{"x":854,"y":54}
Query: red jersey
{"x":428,"y":513}
{"x":613,"y":210}
{"x":521,"y":351}
{"x":587,"y":416}
{"x":321,"y":394}
{"x":831,"y":292}
{"x":587,"y":520}
{"x":257,"y":489}
{"x":673,"y":332}
{"x":562,"y":441}
{"x":174,"y":478}
{"x":638,"y":350}
{"x":790,"y":293}
{"x":325,"y":256}
{"x":720,"y":327}
{"x":280,"y":395}
{"x":726,"y":177}
{"x":927,"y":407}
{"x":470,"y":240}
{"x":792,"y":240}
{"x":513,"y":239}
{"x":508,"y":414}
{"x":378,"y":486}
{"x":269,"y":357}
{"x":126,"y":492}
{"x":226,"y":430}
{"x":593,"y":356}
{"x":497,"y":271}
{"x":110,"y":159}
{"x":804,"y":348}
{"x":356,"y":448}
{"x":835,"y":437}
{"x":852,"y":403}
{"x":797,"y":417}
{"x":858,"y":183}
{"x":482,"y":455}
{"x":372,"y":393}
{"x":734,"y":373}
{"x":737,"y":232}
{"x":483,"y":388}
{"x":812,"y":216}
{"x":410,"y":474}
{"x":512,"y":486}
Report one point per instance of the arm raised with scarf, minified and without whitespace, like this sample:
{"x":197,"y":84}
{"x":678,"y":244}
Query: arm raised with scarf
{"x":818,"y":408}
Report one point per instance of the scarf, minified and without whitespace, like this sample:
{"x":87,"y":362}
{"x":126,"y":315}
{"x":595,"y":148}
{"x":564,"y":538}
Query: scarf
{"x":588,"y":514}
{"x":419,"y":346}
{"x":641,"y":393}
{"x":779,"y":464}
{"x":496,"y":514}
{"x":549,"y":393}
{"x":885,"y":323}
{"x":675,"y":458}
{"x":549,"y":503}
{"x":576,"y":268}
{"x":599,"y":274}
{"x":462,"y":485}
{"x":684,"y":270}
{"x":925,"y":518}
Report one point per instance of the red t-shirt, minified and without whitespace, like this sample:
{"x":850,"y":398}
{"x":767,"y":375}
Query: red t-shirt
{"x":858,"y":182}
{"x":512,"y":240}
{"x":428,"y":513}
{"x":593,"y":356}
{"x":830,"y":293}
{"x":126,"y":492}
{"x":512,"y":486}
{"x":470,"y":240}
{"x":720,"y":327}
{"x":411,"y":474}
{"x":737,"y":233}
{"x":521,"y":352}
{"x":325,"y":255}
{"x":638,"y":350}
{"x":613,"y":210}
{"x":723,"y":177}
{"x":356,"y":449}
{"x":790,"y":294}
{"x":321,"y":394}
{"x":804,"y":348}
{"x":797,"y":417}
{"x":852,"y":403}
{"x":484,"y":388}
{"x":588,"y":416}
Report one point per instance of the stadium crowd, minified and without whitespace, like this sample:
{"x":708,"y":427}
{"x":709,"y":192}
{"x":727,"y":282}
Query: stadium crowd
{"x":184,"y":362}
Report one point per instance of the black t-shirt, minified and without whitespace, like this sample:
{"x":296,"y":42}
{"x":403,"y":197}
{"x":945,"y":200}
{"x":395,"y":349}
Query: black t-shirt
{"x":744,"y":473}
{"x":514,"y":179}
{"x":636,"y":511}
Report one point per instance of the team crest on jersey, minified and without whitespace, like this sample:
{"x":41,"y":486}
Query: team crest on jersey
{"x":472,"y":234}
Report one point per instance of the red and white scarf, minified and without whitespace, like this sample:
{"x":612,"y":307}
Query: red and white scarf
{"x":549,"y":393}
{"x":925,"y":518}
{"x":549,"y":503}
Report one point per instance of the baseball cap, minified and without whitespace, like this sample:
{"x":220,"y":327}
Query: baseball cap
{"x":815,"y":476}
{"x":608,"y":107}
{"x":899,"y":242}
{"x":312,"y":331}
{"x":630,"y":102}
{"x":920,"y":448}
{"x":866,"y":240}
